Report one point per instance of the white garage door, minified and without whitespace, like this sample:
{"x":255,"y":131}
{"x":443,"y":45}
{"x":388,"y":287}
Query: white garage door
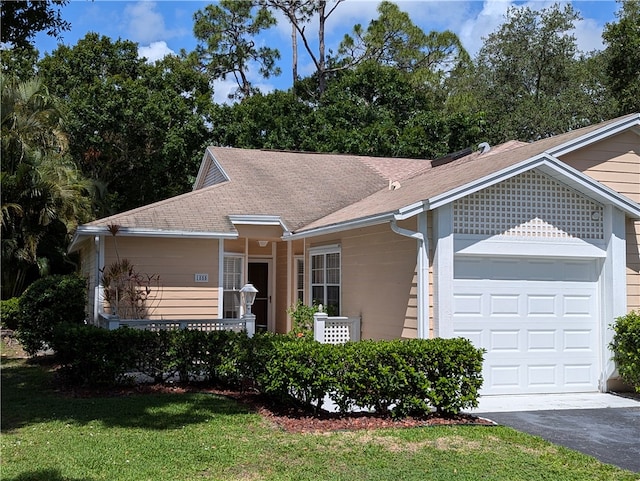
{"x":537,"y":319}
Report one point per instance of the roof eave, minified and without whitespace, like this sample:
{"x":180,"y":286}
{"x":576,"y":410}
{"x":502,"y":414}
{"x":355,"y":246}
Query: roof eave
{"x":608,"y":130}
{"x":341,"y":226}
{"x":83,"y":232}
{"x":258,"y":219}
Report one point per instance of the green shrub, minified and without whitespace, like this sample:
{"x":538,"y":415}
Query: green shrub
{"x":228,"y":358}
{"x":410,"y":377}
{"x":47,"y":302}
{"x":10,"y":313}
{"x":403,"y":377}
{"x":186,"y":353}
{"x":626,"y":348}
{"x":299,"y":371}
{"x":89,"y":355}
{"x":302,"y":319}
{"x":369,"y":375}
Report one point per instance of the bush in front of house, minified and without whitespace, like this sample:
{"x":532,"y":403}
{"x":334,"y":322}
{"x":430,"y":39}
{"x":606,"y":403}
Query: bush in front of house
{"x":409,"y":377}
{"x":403,"y":377}
{"x":400,"y":377}
{"x":10,"y":313}
{"x":626,"y":348}
{"x":47,"y":302}
{"x":302,"y":319}
{"x":92,"y":356}
{"x":299,"y":371}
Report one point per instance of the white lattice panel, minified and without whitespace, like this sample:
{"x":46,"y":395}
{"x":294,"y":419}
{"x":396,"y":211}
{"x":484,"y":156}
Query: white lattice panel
{"x":529,"y":205}
{"x":336,"y":332}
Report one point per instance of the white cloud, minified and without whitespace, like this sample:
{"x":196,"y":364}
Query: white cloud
{"x":222,"y":89}
{"x":155,"y":51}
{"x":475,"y":29}
{"x":145,"y":24}
{"x":589,"y":35}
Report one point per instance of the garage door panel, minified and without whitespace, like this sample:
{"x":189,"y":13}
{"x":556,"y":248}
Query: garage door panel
{"x":542,"y":340}
{"x":534,"y":269}
{"x":578,"y":340}
{"x":577,"y":305}
{"x":504,"y":304}
{"x":504,"y":340}
{"x":540,"y":335}
{"x":542,"y":305}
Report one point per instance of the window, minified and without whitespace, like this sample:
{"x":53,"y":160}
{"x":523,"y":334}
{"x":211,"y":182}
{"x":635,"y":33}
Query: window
{"x":325,"y":279}
{"x":232,"y":283}
{"x":300,"y":279}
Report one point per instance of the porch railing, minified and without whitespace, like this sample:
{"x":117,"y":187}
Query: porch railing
{"x":335,"y":330}
{"x":246,"y":322}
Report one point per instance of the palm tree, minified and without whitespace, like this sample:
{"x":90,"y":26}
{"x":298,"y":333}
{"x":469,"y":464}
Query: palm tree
{"x":44,"y":195}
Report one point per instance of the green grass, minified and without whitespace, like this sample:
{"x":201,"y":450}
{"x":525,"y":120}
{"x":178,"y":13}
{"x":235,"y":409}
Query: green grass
{"x":47,"y":435}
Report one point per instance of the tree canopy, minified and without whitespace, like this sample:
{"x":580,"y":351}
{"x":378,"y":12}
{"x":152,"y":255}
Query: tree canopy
{"x":138,"y":128}
{"x":226,"y":47}
{"x":44,"y":195}
{"x":22,"y":19}
{"x":530,"y":79}
{"x":622,"y":57}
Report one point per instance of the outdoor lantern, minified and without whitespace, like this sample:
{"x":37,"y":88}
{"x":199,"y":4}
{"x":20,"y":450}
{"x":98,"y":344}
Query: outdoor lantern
{"x":247,"y":296}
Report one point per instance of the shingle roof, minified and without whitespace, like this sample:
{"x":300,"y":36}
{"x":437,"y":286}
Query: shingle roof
{"x":298,"y":187}
{"x":311,"y":190}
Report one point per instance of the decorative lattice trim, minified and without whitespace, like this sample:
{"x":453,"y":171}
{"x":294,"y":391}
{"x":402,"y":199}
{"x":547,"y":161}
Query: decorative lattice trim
{"x":529,"y":205}
{"x":337,"y":332}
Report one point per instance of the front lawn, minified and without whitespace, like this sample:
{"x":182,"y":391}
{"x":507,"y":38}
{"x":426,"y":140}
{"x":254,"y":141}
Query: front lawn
{"x":49,"y":435}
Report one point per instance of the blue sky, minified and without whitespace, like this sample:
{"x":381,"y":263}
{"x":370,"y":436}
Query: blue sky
{"x":165,"y":26}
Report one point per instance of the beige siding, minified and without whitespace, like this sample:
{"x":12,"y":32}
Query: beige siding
{"x":379,"y":281}
{"x":283,"y":287}
{"x":616,"y":163}
{"x":175,"y":261}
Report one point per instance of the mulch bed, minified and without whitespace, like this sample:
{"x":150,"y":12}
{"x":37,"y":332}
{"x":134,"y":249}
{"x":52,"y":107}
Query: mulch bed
{"x":295,"y":420}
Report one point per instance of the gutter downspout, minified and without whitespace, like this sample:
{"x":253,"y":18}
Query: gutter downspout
{"x":423,"y":269}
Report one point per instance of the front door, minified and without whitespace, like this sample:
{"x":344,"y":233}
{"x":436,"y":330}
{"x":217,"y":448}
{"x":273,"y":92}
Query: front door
{"x":259,"y":277}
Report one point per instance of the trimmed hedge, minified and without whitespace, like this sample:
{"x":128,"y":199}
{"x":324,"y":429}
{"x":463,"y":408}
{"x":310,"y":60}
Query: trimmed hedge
{"x":626,"y":348}
{"x":47,"y":302}
{"x":403,"y":377}
{"x":407,"y":377}
{"x":93,"y":356}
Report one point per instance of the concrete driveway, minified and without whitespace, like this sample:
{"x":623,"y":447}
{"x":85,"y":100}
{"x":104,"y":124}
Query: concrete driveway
{"x":604,"y":426}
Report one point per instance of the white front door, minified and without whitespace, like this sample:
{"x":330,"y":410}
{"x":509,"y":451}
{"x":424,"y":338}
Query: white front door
{"x":536,"y":317}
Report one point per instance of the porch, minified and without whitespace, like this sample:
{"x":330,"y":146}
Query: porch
{"x":326,"y":329}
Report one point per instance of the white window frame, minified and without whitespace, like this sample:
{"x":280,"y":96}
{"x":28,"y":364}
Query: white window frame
{"x":300,"y":278}
{"x":234,"y":312}
{"x":325,"y":251}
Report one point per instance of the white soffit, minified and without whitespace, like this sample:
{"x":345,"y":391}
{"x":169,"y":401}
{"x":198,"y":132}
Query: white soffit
{"x":258,"y":219}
